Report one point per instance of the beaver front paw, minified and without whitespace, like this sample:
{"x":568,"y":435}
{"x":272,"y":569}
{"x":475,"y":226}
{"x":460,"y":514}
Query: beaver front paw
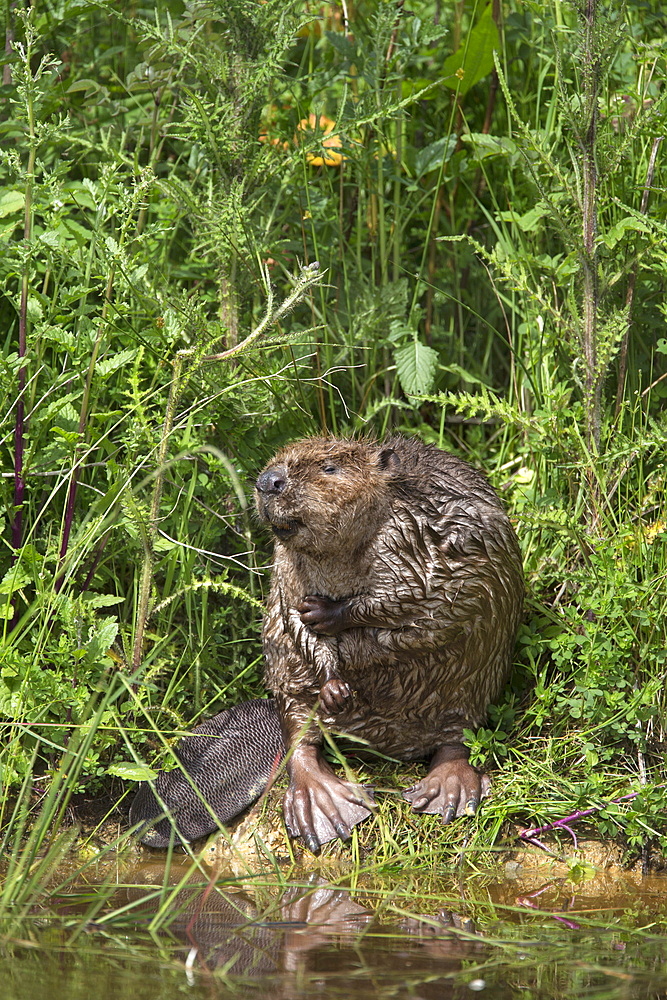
{"x":452,"y":788}
{"x":333,"y":695}
{"x":322,"y":615}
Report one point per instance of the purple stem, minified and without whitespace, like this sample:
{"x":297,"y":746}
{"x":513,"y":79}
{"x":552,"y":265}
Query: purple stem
{"x":568,"y":923}
{"x":530,"y":905}
{"x":559,"y":824}
{"x":572,"y":834}
{"x":67,"y":526}
{"x":538,"y":843}
{"x":96,"y":560}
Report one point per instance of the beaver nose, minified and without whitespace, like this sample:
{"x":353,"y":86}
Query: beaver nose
{"x":272,"y":480}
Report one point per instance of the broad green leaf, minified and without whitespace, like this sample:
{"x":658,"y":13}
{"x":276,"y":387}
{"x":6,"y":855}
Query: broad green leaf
{"x":8,"y":228}
{"x":70,"y":229}
{"x":13,"y":580}
{"x":464,"y":374}
{"x":617,"y":232}
{"x":83,"y":84}
{"x":474,"y":58}
{"x":79,"y":193}
{"x":530,"y":220}
{"x":116,"y":361}
{"x":10,"y":202}
{"x":105,"y":635}
{"x":484,"y":144}
{"x":35,"y":310}
{"x":132,"y":771}
{"x":416,"y":365}
{"x":432,"y":156}
{"x":102,"y":600}
{"x":399,"y":332}
{"x":49,"y":239}
{"x":69,"y":437}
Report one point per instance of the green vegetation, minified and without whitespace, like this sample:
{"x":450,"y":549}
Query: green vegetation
{"x":484,"y":193}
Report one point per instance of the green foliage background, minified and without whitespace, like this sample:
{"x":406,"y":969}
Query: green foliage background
{"x":166,"y":174}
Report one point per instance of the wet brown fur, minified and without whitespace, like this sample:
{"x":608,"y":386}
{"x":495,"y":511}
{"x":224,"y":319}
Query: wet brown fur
{"x":416,"y":544}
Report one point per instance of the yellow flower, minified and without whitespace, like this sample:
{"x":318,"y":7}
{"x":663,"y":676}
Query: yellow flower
{"x":331,"y":144}
{"x":652,"y":530}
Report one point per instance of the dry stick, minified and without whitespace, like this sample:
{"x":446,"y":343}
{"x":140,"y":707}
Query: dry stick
{"x":310,"y":275}
{"x":623,"y":354}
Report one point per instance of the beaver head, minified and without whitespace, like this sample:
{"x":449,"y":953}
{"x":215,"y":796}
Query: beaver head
{"x":321,"y":494}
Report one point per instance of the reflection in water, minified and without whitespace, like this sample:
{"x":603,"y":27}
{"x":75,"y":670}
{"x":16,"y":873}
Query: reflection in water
{"x":317,"y":939}
{"x":316,"y":932}
{"x":259,"y":938}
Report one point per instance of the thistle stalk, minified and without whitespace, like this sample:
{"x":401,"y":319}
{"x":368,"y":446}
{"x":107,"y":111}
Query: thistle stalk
{"x":630,"y":294}
{"x":19,"y":427}
{"x":83,"y":420}
{"x":150,"y":536}
{"x":309,"y":276}
{"x":592,"y":381}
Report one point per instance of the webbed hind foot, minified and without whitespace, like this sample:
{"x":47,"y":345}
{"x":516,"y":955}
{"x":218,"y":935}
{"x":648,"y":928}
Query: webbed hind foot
{"x":318,"y":805}
{"x":452,"y":787}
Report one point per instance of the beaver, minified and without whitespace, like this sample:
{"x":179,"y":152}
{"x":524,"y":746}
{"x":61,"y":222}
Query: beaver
{"x":396,"y":594}
{"x":395,"y":597}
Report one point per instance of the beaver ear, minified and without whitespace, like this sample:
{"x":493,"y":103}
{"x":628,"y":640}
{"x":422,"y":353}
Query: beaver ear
{"x":388,"y":460}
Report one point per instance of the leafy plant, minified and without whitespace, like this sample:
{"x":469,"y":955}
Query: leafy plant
{"x":483,"y":189}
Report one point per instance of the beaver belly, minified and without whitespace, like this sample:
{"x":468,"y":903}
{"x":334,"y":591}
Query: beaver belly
{"x":408,"y":708}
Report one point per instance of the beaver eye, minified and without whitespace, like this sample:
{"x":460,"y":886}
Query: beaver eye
{"x":330,"y":469}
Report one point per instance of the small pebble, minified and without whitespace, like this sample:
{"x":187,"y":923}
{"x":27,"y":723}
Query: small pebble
{"x":477,"y":984}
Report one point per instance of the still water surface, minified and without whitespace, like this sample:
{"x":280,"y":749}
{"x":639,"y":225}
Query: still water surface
{"x":169,"y":933}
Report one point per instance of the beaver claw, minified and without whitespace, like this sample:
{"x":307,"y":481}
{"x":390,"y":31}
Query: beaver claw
{"x":453,"y":788}
{"x":318,"y":806}
{"x":321,"y":828}
{"x":322,"y":615}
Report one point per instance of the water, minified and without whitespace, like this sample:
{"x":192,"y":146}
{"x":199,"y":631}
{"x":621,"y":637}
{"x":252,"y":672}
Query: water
{"x":145,"y":932}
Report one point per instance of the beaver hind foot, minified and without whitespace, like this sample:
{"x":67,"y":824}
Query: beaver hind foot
{"x":319,"y":806}
{"x":452,"y":787}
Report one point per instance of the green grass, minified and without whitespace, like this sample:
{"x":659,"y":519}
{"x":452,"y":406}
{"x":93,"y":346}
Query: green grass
{"x":165,"y":332}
